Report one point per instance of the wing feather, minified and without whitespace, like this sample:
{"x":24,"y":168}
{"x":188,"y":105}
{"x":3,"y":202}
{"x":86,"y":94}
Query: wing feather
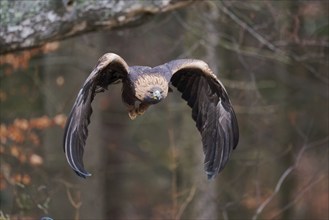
{"x":187,"y":90}
{"x":193,"y":92}
{"x":109,"y":69}
{"x":211,"y":110}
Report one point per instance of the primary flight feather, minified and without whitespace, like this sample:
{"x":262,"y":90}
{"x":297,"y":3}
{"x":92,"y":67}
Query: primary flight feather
{"x":143,"y":86}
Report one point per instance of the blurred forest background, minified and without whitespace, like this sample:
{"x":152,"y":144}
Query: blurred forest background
{"x":272,"y":56}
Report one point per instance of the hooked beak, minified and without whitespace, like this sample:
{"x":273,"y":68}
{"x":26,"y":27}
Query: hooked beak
{"x":156,"y":95}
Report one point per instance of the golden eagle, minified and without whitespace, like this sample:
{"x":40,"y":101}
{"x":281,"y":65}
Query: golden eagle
{"x":143,"y":86}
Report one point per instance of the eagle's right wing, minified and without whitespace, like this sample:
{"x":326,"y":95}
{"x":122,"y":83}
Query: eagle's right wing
{"x":110,"y":68}
{"x":211,"y":110}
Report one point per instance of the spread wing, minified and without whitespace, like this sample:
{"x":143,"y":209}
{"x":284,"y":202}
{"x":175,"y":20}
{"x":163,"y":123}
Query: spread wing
{"x":211,"y":110}
{"x":110,"y":68}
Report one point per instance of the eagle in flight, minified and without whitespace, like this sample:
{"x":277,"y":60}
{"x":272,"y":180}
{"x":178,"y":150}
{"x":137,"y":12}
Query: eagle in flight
{"x":143,"y":86}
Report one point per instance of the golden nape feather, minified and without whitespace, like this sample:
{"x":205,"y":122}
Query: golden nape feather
{"x":144,"y":86}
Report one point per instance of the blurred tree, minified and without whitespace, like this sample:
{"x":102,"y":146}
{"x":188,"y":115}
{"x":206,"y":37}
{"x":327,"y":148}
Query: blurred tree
{"x":272,"y":56}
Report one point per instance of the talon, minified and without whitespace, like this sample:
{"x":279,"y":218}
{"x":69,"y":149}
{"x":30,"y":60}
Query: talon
{"x":98,"y":90}
{"x":132,"y":115}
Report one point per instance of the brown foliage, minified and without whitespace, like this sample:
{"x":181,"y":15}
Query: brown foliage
{"x":21,"y":60}
{"x":20,"y":144}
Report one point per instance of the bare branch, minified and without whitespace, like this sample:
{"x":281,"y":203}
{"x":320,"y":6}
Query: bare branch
{"x":280,"y":55}
{"x":286,"y":174}
{"x":186,"y":202}
{"x":41,"y":21}
{"x":277,"y":189}
{"x":299,"y":195}
{"x":245,"y":26}
{"x":75,"y":204}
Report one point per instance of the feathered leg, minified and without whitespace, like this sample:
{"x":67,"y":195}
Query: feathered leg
{"x":133,"y":111}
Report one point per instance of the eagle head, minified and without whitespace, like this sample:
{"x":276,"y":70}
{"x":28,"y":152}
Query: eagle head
{"x":151,"y":88}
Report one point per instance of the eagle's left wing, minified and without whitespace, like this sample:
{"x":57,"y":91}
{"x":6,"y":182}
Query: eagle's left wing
{"x":211,"y":110}
{"x":110,"y":68}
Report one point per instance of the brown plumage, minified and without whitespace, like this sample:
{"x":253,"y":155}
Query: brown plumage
{"x":144,"y":86}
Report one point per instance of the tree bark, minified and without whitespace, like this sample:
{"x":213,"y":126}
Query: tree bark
{"x":31,"y":23}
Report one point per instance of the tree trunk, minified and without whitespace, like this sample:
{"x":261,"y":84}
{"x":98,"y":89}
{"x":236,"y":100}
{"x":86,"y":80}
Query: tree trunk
{"x":205,"y":206}
{"x":26,"y":24}
{"x":59,"y":98}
